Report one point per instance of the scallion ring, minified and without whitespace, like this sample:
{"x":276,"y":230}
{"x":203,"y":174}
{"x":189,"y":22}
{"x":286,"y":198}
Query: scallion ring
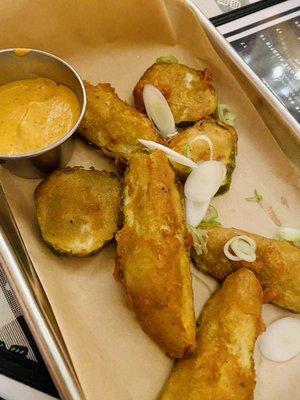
{"x":205,"y":139}
{"x":289,"y":234}
{"x":240,"y":248}
{"x":211,"y":215}
{"x":225,"y":114}
{"x":158,"y":111}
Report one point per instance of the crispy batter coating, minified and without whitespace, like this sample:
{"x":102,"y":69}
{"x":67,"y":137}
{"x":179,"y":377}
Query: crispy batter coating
{"x":277,"y":265}
{"x":223,"y":138}
{"x":112,"y":125}
{"x":188,"y":92}
{"x":222,"y":367}
{"x":78,"y":210}
{"x":152,"y":259}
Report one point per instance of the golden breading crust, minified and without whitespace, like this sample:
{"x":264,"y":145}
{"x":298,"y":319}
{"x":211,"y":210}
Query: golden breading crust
{"x":112,"y":125}
{"x":223,"y":138}
{"x":188,"y":92}
{"x":78,"y":210}
{"x":152,"y":259}
{"x":222,"y":366}
{"x":277,"y":265}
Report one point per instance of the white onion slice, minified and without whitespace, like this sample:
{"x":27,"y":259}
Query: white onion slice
{"x":289,"y":234}
{"x":172,"y":155}
{"x":207,"y":140}
{"x":203,"y":182}
{"x":195,"y":212}
{"x":158,"y":111}
{"x":225,"y":114}
{"x":281,"y":341}
{"x":242,"y":246}
{"x":243,"y":250}
{"x":228,"y":253}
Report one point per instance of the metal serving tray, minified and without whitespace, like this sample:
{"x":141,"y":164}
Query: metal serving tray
{"x":18,"y":266}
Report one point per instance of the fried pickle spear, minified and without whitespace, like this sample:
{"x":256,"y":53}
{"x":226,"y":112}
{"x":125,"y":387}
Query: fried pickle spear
{"x":78,"y":210}
{"x":188,"y":92}
{"x":277,"y":265}
{"x":194,"y":143}
{"x":222,"y":366}
{"x":152,"y":259}
{"x":112,"y":125}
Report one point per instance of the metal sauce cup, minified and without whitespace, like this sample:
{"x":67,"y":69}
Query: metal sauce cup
{"x":18,"y":64}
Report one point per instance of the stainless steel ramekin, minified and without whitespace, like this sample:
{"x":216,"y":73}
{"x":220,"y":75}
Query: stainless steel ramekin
{"x":17,"y":64}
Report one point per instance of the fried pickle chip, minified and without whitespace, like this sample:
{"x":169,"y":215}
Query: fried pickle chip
{"x":112,"y":125}
{"x":277,"y":265}
{"x":222,"y":366}
{"x":193,"y":144}
{"x":188,"y":92}
{"x":78,"y":210}
{"x":152,"y":260}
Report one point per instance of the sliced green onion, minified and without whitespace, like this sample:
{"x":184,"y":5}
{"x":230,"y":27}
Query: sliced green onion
{"x":209,"y":224}
{"x":211,"y":214}
{"x":240,"y":248}
{"x":257,"y":198}
{"x":225,"y":114}
{"x":199,"y":238}
{"x":167,"y":59}
{"x":289,"y":234}
{"x":209,"y":221}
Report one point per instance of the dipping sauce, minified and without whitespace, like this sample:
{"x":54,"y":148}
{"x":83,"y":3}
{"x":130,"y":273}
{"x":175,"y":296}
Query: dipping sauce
{"x":34,"y":113}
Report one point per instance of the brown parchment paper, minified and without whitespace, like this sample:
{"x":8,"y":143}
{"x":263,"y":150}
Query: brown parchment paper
{"x":115,"y":41}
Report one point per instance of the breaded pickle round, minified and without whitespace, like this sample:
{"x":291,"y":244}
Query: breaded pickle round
{"x":188,"y":92}
{"x":224,"y":146}
{"x":78,"y":210}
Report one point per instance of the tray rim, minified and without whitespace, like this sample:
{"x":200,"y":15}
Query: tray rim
{"x":55,"y":361}
{"x":67,"y":385}
{"x":272,"y":100}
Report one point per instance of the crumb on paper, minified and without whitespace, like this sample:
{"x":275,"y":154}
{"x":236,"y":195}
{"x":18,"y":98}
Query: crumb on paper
{"x":257,"y":198}
{"x":284,"y":202}
{"x":273,"y":216}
